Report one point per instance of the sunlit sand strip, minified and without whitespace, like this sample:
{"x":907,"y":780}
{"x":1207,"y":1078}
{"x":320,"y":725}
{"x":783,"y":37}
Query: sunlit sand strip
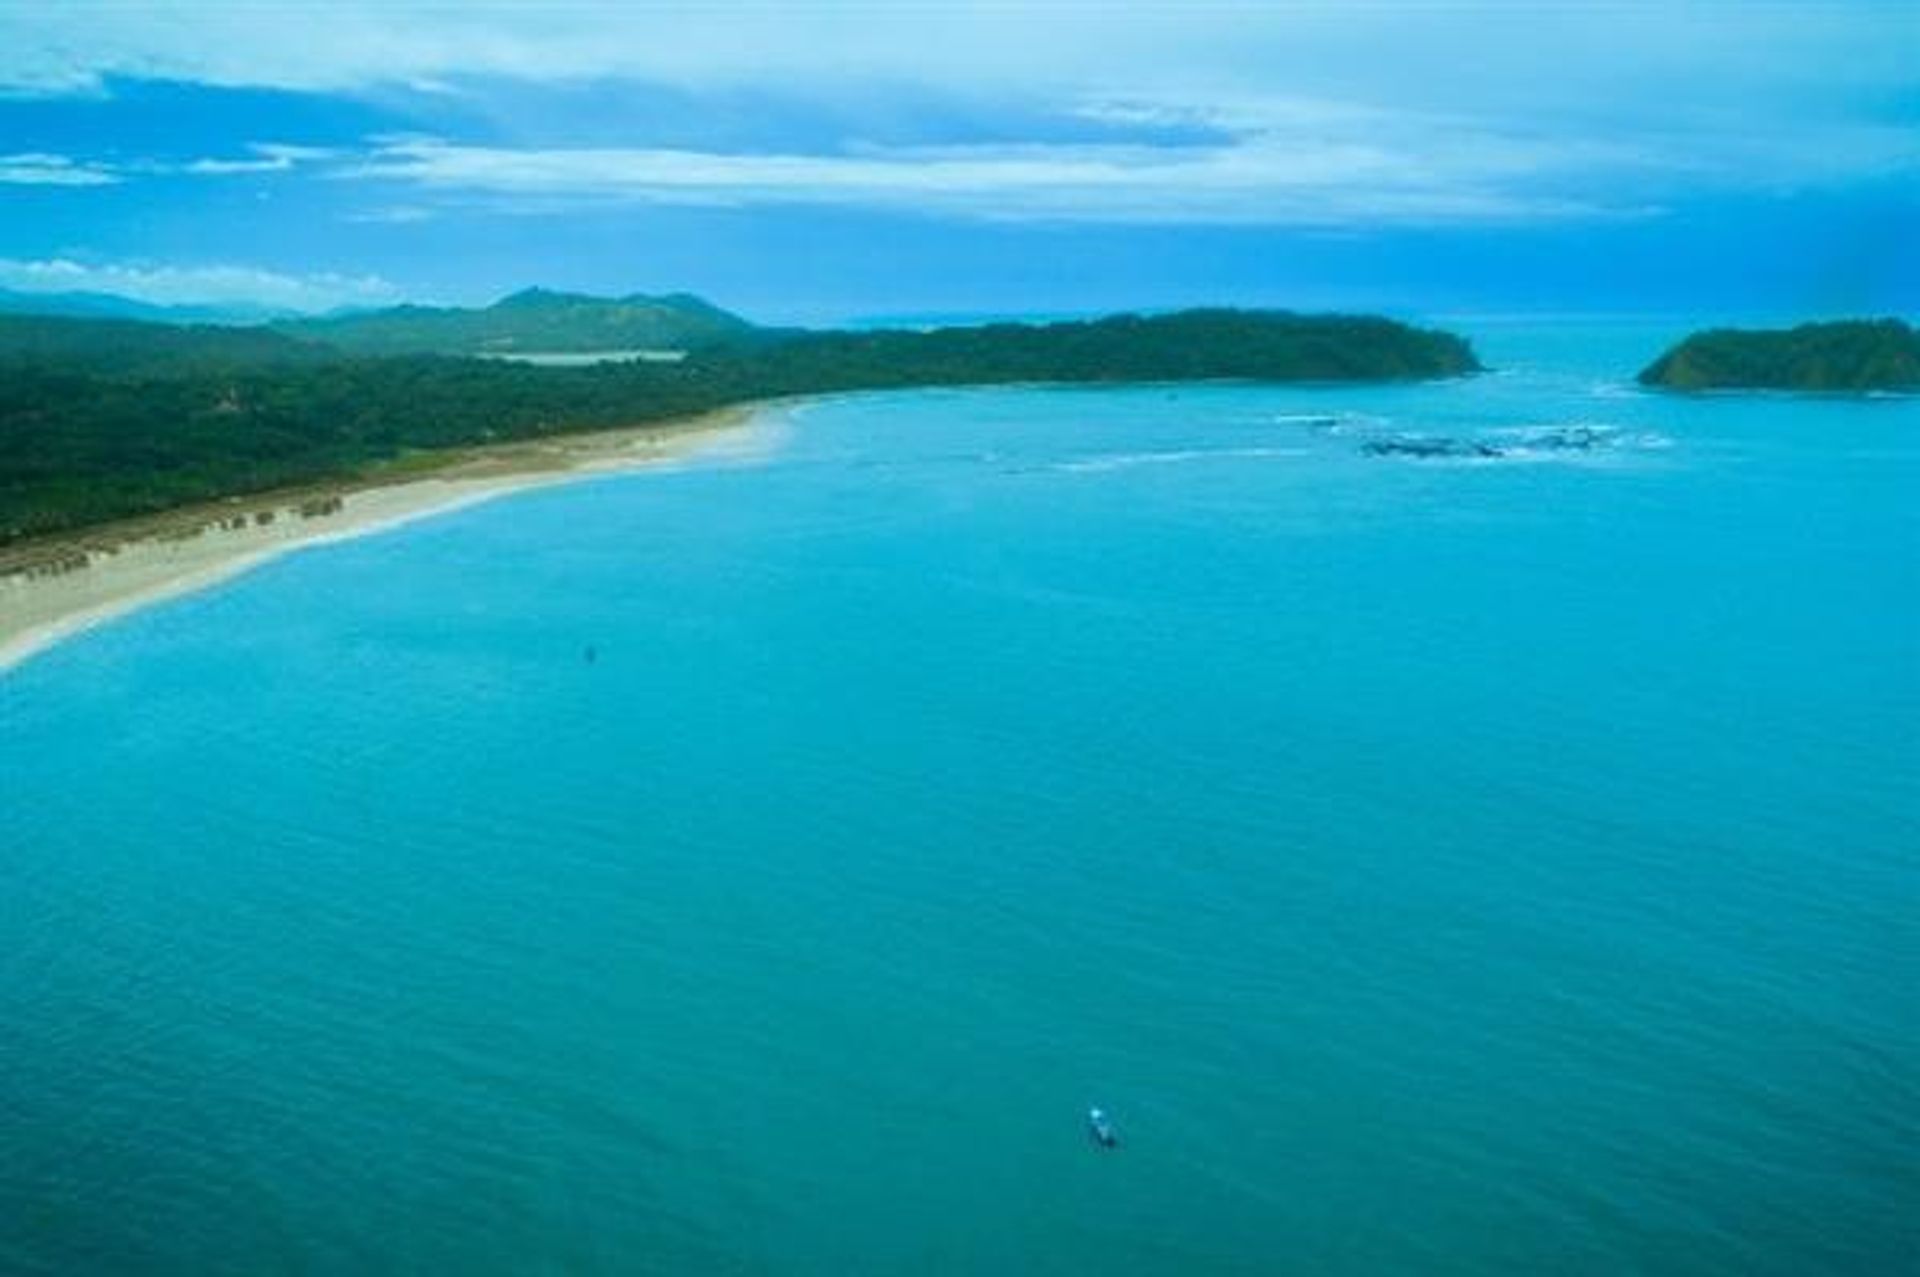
{"x":53,"y":590}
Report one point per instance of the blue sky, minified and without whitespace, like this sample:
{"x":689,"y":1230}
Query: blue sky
{"x":815,"y":162}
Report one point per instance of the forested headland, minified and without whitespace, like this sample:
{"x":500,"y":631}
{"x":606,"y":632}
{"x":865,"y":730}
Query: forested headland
{"x":105,"y":419}
{"x":1847,"y":355}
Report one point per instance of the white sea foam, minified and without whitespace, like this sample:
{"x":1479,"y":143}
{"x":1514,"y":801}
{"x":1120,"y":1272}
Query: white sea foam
{"x":1127,"y":460}
{"x":1576,"y":437}
{"x":1332,"y":423}
{"x":1616,"y":390}
{"x":1565,"y":443}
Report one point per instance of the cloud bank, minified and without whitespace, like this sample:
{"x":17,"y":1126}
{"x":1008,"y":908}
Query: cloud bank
{"x":36,"y":168}
{"x":1266,"y":179}
{"x":1252,"y":159}
{"x":1470,"y":51}
{"x":210,"y":285}
{"x":1308,"y":113}
{"x":502,"y":141}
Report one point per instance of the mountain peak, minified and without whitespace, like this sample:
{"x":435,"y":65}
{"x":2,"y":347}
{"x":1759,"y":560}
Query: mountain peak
{"x":536,"y":319}
{"x":536,"y":296}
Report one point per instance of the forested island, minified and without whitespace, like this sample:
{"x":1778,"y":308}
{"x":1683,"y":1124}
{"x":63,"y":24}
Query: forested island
{"x":1849,"y":355}
{"x":105,"y":419}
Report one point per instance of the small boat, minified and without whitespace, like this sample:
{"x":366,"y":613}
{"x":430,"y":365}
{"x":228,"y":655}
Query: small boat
{"x":1100,"y":1129}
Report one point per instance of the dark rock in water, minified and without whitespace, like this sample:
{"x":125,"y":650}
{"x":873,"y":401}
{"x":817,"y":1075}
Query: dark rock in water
{"x":1417,"y":446}
{"x":1567,"y":439}
{"x":1522,"y":442}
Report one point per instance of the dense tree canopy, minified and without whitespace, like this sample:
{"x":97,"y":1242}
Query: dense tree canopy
{"x":1850,"y":355}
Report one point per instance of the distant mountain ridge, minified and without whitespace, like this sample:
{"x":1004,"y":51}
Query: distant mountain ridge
{"x":91,"y":305}
{"x":534,"y":319}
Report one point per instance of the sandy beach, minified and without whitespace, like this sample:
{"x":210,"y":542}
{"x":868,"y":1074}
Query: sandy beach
{"x":53,"y":589}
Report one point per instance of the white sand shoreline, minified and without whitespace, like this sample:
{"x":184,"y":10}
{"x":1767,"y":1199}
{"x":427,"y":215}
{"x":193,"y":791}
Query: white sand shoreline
{"x":69,"y":585}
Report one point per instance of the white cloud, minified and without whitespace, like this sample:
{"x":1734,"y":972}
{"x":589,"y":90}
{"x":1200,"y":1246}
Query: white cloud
{"x":267,"y":157}
{"x":197,"y":285}
{"x":393,"y":215}
{"x":1325,"y":112}
{"x":1248,"y":159}
{"x":1269,"y":179}
{"x":39,"y":169}
{"x":1524,"y":55}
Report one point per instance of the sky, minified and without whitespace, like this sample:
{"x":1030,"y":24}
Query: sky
{"x":805,"y":161}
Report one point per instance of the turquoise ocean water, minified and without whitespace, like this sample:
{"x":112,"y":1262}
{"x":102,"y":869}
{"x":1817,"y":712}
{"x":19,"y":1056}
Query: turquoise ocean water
{"x":1464,"y":866}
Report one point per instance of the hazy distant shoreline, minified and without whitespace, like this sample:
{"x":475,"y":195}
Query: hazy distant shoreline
{"x":54,"y":589}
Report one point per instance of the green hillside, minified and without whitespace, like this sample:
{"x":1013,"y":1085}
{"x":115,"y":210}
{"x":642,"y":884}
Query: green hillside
{"x":129,"y":348}
{"x":533,"y":320}
{"x":1848,"y":355}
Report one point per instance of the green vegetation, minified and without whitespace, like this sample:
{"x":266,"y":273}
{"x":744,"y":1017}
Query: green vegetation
{"x":1851,"y":355}
{"x":105,"y":419}
{"x":532,"y":320}
{"x":1191,"y":345}
{"x":128,"y":348}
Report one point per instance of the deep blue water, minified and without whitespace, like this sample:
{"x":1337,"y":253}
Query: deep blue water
{"x":1499,"y":866}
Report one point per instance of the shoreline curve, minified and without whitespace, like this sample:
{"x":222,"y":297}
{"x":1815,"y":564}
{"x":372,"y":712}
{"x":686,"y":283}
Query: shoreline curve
{"x":61,"y":588}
